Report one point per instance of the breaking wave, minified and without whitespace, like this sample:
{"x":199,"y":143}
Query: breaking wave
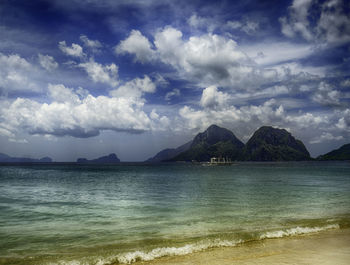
{"x":297,"y":231}
{"x":134,"y":256}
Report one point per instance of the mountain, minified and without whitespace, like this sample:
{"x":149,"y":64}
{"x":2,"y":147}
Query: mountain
{"x":272,"y":144}
{"x":169,"y":153}
{"x":111,"y":158}
{"x":215,"y":141}
{"x":342,"y":153}
{"x":8,"y":159}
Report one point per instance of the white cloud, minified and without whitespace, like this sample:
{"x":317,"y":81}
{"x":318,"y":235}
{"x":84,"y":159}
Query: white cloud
{"x":169,"y":45}
{"x":343,"y":122}
{"x":47,"y":62}
{"x":209,"y":59}
{"x":269,"y":92}
{"x":249,"y":27}
{"x":94,"y":45}
{"x":16,"y":74}
{"x":230,"y":116}
{"x":246,"y":119}
{"x":135,"y":88}
{"x":173,"y":93}
{"x":136,"y":44}
{"x":277,"y":52}
{"x":325,"y":136}
{"x":75,"y":50}
{"x":107,"y":74}
{"x":196,"y":21}
{"x":332,"y":25}
{"x":212,"y":98}
{"x":345,"y":83}
{"x":199,"y":22}
{"x":69,"y":114}
{"x":60,"y":93}
{"x":297,"y":21}
{"x":326,"y":95}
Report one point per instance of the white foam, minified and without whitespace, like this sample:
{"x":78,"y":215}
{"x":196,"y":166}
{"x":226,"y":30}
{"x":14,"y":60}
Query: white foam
{"x":131,"y":257}
{"x":297,"y":231}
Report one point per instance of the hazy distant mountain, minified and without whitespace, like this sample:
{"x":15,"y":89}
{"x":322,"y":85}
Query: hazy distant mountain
{"x":111,"y":158}
{"x":272,"y":144}
{"x":8,"y":159}
{"x":342,"y":153}
{"x":215,"y":141}
{"x":169,"y":153}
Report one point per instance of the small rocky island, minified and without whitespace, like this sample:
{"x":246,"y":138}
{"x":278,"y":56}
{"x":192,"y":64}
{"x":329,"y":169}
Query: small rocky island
{"x":111,"y":158}
{"x":9,"y":159}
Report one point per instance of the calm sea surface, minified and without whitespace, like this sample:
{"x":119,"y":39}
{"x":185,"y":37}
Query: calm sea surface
{"x":101,"y":214}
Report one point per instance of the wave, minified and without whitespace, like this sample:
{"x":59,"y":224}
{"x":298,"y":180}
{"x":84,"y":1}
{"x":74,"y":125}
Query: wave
{"x":134,"y":256}
{"x":130,"y":257}
{"x":297,"y":231}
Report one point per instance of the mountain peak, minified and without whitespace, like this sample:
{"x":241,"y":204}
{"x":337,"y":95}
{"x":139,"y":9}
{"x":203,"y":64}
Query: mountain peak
{"x":271,"y":144}
{"x":213,"y":142}
{"x":214,"y":134}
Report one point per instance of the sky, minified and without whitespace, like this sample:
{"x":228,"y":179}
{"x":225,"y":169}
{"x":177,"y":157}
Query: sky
{"x":132,"y":77}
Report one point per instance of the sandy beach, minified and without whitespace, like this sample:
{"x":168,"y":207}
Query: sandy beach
{"x":326,"y":248}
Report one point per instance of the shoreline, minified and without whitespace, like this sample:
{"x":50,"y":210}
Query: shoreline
{"x":326,"y":247}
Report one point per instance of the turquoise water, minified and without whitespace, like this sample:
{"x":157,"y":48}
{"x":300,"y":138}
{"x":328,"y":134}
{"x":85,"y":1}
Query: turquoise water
{"x":101,"y":214}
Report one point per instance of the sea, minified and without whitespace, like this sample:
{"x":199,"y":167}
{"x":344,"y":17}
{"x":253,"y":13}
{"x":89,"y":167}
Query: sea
{"x":126,"y":213}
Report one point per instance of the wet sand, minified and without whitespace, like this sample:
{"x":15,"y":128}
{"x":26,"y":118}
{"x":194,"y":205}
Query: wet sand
{"x":326,"y":248}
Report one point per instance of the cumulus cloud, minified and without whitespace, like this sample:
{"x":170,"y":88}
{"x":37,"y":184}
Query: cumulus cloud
{"x":209,"y":59}
{"x":47,"y":62}
{"x":107,"y":74}
{"x":62,"y":94}
{"x":94,"y":45}
{"x":326,"y":95}
{"x":16,"y":74}
{"x":332,"y":25}
{"x":343,"y":122}
{"x":75,"y":50}
{"x":213,"y":98}
{"x":135,"y":88}
{"x":136,"y":44}
{"x":247,"y":118}
{"x":325,"y":136}
{"x":73,"y":115}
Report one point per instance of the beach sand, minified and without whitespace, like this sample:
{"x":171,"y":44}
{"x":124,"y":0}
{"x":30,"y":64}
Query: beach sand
{"x":326,"y":248}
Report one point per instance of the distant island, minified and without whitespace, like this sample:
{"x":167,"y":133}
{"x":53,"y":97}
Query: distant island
{"x":111,"y":158}
{"x":8,"y":159}
{"x":266,"y":144}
